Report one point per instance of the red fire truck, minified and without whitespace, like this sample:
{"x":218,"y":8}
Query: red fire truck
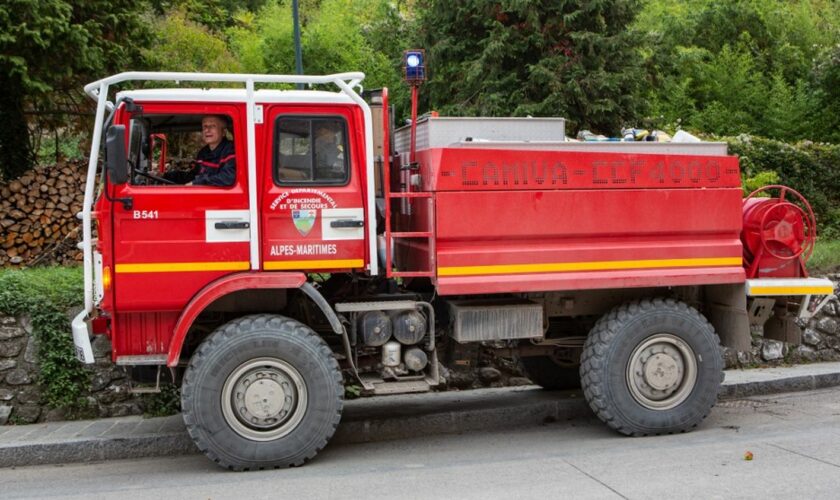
{"x":349,"y":251}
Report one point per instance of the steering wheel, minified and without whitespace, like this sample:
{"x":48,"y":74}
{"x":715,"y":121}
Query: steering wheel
{"x":154,"y":177}
{"x":135,"y":170}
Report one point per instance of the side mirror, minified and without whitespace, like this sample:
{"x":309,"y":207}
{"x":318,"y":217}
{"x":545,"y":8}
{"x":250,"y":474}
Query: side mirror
{"x":115,"y":157}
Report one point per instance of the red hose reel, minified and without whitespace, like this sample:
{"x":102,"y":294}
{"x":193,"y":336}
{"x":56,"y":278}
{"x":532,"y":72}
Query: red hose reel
{"x":778,"y":234}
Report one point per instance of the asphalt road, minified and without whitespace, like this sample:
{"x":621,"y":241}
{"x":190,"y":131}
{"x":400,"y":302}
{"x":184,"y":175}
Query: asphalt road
{"x":794,"y":438}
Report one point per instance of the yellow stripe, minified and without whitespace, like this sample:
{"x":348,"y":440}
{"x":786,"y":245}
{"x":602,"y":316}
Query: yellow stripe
{"x":179,"y":267}
{"x":791,"y":290}
{"x":312,"y":264}
{"x":587,"y":266}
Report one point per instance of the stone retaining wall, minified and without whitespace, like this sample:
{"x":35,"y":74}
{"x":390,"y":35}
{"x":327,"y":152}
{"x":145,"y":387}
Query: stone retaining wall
{"x":20,"y":395}
{"x":109,"y":396}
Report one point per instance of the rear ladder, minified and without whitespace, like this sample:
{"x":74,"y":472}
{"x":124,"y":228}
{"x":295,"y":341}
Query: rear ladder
{"x":428,"y":234}
{"x":407,"y":197}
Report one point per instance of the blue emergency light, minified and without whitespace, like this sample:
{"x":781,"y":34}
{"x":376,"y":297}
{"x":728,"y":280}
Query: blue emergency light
{"x":414,"y":65}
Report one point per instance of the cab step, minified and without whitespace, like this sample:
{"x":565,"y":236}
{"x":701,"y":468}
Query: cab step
{"x":142,"y":360}
{"x":146,"y":389}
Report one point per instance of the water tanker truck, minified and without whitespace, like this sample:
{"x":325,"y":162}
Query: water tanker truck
{"x":344,"y":250}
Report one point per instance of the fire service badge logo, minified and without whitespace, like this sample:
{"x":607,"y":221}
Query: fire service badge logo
{"x":304,"y":220}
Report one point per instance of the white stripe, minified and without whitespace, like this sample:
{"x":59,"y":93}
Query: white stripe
{"x":782,"y":283}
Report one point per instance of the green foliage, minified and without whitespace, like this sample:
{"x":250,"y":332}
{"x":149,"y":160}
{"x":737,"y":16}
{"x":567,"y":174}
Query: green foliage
{"x":263,"y":42}
{"x":809,"y":168}
{"x":743,"y":66}
{"x":46,"y":295}
{"x":48,"y":50}
{"x":352,"y":391}
{"x":336,"y":36}
{"x":826,"y":77}
{"x":68,"y":147}
{"x":184,"y":45}
{"x":213,"y":14}
{"x":563,"y":58}
{"x":759,"y":180}
{"x":826,"y":257}
{"x":166,"y":402}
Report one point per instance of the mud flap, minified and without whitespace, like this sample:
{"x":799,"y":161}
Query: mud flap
{"x":81,"y":338}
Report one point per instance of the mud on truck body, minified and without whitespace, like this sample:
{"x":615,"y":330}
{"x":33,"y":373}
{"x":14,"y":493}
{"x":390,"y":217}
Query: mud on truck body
{"x":619,"y":268}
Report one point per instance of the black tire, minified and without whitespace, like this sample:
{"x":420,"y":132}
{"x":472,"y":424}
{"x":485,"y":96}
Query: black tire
{"x":545,"y":372}
{"x":623,"y":400}
{"x":288,"y":358}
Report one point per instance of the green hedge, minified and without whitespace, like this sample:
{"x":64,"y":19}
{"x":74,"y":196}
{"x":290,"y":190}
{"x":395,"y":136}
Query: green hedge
{"x":813,"y":169}
{"x":47,"y":295}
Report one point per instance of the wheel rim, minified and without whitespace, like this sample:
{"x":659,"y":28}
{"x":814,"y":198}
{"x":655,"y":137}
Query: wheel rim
{"x":661,"y":372}
{"x":264,"y":399}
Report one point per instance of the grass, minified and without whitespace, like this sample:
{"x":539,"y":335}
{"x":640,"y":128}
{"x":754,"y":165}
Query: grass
{"x":58,"y":286}
{"x":826,"y":257}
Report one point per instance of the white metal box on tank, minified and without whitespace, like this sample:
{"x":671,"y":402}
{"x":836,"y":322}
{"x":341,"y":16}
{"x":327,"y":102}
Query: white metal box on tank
{"x":441,"y":131}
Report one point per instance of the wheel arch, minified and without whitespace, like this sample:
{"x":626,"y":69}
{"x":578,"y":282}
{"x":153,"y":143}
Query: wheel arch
{"x":233,"y":283}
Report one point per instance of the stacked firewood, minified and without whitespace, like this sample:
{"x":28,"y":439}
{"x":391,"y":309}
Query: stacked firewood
{"x":38,"y":223}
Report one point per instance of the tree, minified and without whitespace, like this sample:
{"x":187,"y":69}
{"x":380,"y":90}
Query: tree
{"x":826,"y":75}
{"x":48,"y":50}
{"x":513,"y":57}
{"x":741,"y":66}
{"x":216,"y":15}
{"x":336,"y":36}
{"x":184,"y":45}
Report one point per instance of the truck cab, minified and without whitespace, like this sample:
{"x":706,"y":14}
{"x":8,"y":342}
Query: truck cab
{"x":173,"y":236}
{"x":263,"y":247}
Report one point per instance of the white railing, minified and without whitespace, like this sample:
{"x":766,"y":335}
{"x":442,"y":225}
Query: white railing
{"x":98,"y":91}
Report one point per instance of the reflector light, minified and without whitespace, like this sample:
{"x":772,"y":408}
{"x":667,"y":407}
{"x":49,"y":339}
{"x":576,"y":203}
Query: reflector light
{"x":106,"y":277}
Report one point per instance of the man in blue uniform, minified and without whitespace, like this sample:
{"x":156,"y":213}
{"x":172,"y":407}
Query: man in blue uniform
{"x":215,"y":163}
{"x":216,"y":160}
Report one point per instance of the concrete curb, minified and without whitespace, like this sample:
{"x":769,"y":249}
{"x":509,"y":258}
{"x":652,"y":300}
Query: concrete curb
{"x":365,"y":420}
{"x":97,"y":449}
{"x":789,"y":384}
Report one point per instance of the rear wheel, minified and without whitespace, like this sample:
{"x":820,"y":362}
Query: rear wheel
{"x":652,"y":367}
{"x":262,"y":391}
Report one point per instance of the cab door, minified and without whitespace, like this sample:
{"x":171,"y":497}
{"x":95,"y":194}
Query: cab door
{"x":171,"y":240}
{"x":313,"y":216}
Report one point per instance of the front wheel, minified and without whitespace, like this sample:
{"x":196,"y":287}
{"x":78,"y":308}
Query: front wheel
{"x":261,"y":392}
{"x":652,"y":367}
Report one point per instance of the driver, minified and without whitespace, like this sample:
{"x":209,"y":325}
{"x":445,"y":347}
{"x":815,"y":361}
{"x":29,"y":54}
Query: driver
{"x":215,"y":162}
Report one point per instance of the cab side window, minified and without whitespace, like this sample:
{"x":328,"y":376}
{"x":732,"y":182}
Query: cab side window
{"x":181,"y":150}
{"x":311,"y":151}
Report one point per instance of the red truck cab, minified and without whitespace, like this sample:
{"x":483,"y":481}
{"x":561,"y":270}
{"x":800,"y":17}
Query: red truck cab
{"x":176,"y":238}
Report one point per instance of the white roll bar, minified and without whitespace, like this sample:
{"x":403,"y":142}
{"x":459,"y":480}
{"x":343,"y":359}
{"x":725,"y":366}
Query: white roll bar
{"x":98,"y":91}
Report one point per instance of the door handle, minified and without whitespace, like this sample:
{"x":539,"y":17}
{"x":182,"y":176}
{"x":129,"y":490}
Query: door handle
{"x":347,"y":223}
{"x":232,"y":225}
